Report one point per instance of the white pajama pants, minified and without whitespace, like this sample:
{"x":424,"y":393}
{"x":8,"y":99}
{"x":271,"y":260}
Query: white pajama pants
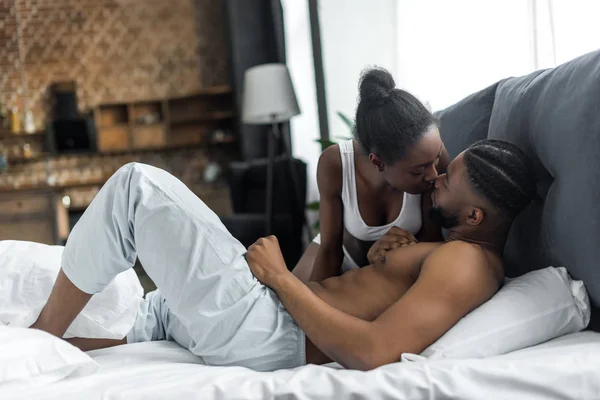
{"x":207,"y":299}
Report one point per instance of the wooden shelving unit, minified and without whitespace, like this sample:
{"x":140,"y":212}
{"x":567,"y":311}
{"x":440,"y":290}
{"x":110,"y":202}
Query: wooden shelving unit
{"x":22,"y":147}
{"x":7,"y":134}
{"x":33,"y":182}
{"x":165,"y":123}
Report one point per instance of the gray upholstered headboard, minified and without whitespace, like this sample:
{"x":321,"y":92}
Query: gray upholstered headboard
{"x":554,"y":116}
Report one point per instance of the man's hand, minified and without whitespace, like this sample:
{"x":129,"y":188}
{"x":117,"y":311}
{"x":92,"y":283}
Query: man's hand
{"x":266,"y":261}
{"x":394,"y":238}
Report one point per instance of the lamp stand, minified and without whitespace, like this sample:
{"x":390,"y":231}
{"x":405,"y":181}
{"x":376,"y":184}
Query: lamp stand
{"x":269,"y":200}
{"x":296,"y":195}
{"x":275,"y":135}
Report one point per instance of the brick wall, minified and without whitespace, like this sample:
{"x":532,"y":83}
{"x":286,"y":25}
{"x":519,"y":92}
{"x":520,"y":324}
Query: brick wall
{"x":116,"y":50}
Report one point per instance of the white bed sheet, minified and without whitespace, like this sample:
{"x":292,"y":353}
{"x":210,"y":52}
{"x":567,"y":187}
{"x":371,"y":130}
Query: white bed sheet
{"x":565,"y":368}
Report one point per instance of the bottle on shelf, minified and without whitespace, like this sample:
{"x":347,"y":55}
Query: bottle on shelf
{"x":3,"y":158}
{"x":29,"y":123}
{"x":15,"y":120}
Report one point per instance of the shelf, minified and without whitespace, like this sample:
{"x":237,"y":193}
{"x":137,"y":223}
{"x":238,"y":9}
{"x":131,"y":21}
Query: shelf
{"x":24,"y":160}
{"x":140,"y":111}
{"x":107,"y":106}
{"x":9,"y":135}
{"x":226,"y":140}
{"x":45,"y":186}
{"x":212,"y":91}
{"x":117,"y":125}
{"x":212,"y":116}
{"x":153,"y":124}
{"x":108,"y":115}
{"x":221,"y":89}
{"x":151,"y":150}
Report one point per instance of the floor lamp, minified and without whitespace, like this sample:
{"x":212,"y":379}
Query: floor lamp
{"x":269,"y":99}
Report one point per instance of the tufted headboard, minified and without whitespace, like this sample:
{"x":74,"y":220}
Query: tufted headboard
{"x":554,"y":116}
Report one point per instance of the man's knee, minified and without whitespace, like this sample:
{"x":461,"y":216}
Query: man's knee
{"x":128,"y":169}
{"x":131,"y":173}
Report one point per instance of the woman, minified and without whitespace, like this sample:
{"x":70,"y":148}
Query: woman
{"x":371,"y":186}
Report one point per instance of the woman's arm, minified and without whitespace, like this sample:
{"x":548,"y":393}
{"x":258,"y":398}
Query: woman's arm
{"x":328,"y":260}
{"x":394,"y":238}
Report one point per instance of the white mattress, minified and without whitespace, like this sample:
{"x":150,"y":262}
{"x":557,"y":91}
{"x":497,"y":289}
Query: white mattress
{"x":566,"y":368}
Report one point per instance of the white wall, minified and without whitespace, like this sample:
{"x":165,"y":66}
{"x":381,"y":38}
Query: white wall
{"x":450,"y":49}
{"x":354,"y":35}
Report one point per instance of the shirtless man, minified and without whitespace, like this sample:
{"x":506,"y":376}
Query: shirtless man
{"x":209,"y":299}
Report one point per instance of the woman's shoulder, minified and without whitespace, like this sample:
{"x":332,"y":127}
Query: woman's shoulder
{"x":329,"y":168}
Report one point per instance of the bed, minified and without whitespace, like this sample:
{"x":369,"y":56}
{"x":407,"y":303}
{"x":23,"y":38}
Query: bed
{"x":567,"y":367}
{"x":554,"y":115}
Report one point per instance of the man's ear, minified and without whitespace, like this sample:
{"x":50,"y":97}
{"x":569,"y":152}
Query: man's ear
{"x":475,"y":216}
{"x":376,"y":161}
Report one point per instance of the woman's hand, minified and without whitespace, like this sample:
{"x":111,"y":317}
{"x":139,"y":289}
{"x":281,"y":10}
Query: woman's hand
{"x":394,"y":238}
{"x":266,"y":261}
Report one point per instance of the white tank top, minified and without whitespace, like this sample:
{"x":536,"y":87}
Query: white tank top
{"x":409,"y":218}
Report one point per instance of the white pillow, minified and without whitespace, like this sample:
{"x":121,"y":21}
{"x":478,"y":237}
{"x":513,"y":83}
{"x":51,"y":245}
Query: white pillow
{"x":32,"y":357}
{"x":528,"y":310}
{"x":27,"y":274}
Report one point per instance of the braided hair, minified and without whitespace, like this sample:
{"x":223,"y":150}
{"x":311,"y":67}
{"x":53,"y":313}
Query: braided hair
{"x":388,"y":120}
{"x":500,"y":172}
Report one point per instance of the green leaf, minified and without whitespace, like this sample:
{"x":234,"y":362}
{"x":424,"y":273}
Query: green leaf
{"x":316,"y":226}
{"x":346,"y":120}
{"x":314,"y":206}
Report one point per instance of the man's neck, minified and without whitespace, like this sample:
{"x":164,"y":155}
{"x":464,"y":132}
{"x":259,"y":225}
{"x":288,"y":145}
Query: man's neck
{"x":491,"y":239}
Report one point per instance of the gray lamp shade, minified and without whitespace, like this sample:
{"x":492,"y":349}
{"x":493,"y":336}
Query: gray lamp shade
{"x":268,"y":95}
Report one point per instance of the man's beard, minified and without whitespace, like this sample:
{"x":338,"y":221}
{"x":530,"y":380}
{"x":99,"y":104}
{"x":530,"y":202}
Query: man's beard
{"x":444,"y":219}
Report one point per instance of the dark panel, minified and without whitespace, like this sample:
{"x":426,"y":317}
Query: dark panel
{"x":256,"y":37}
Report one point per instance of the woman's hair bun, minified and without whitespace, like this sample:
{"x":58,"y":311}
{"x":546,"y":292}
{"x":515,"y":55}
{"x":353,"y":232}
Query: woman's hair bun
{"x":375,"y":86}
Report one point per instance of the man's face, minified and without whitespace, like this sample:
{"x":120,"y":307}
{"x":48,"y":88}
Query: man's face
{"x":453,"y":198}
{"x":416,"y":172}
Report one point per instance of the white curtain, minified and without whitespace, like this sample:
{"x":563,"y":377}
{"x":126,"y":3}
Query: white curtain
{"x":564,"y":29}
{"x":449,"y":49}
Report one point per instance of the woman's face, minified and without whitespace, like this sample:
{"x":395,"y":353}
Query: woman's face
{"x":416,"y":172}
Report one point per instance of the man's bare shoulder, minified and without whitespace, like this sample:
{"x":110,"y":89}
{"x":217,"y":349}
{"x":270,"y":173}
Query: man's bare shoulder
{"x":463,"y":265}
{"x":455,"y":278}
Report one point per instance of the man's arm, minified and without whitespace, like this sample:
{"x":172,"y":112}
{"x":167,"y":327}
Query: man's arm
{"x":454,"y":280}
